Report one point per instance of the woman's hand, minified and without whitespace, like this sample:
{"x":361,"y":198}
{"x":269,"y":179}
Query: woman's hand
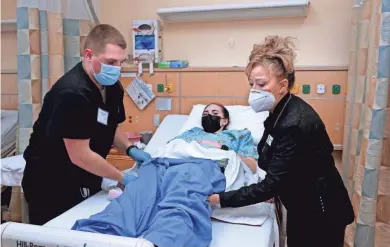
{"x":210,"y":143}
{"x":214,"y":199}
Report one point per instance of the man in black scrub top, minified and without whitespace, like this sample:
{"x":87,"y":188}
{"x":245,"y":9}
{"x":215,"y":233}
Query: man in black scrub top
{"x":75,"y":130}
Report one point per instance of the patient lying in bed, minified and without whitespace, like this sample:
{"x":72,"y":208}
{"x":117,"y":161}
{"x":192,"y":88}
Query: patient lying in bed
{"x":215,"y":119}
{"x":167,"y":204}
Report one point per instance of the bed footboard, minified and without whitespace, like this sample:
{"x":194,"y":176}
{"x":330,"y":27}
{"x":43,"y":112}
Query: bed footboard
{"x":18,"y":234}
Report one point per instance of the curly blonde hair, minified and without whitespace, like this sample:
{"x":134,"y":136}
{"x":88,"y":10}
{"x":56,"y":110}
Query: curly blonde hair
{"x":277,"y":54}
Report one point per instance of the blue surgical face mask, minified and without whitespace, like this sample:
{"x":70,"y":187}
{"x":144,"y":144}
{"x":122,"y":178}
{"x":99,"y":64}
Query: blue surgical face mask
{"x":109,"y":74}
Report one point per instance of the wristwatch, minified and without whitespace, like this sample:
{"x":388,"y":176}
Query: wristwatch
{"x":130,"y":147}
{"x":224,"y":147}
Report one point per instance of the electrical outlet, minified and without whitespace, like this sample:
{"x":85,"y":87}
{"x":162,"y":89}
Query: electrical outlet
{"x":136,"y":119}
{"x":156,"y":120}
{"x":337,"y":126}
{"x":231,"y":42}
{"x":320,"y":88}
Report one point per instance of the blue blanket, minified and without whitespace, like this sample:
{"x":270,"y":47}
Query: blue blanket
{"x":166,"y":205}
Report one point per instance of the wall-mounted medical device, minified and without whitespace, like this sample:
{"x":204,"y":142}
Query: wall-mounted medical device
{"x":146,"y":43}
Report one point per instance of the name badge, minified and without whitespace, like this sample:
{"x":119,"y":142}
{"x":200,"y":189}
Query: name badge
{"x":269,"y":140}
{"x":102,"y":116}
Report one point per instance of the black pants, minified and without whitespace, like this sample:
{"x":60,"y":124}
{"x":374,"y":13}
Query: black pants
{"x":40,"y":214}
{"x":45,"y":204}
{"x":314,"y":232}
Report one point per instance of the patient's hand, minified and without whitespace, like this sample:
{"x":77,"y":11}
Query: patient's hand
{"x":250,"y":162}
{"x":210,"y":143}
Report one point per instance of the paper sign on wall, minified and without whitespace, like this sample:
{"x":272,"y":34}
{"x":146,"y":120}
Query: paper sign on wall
{"x":163,"y":104}
{"x":140,"y":93}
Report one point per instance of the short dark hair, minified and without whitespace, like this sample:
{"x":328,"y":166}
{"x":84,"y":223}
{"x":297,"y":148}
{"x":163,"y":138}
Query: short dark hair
{"x":224,"y":111}
{"x":104,"y":34}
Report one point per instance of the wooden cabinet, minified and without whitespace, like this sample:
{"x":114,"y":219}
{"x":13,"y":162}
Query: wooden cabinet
{"x":119,"y":160}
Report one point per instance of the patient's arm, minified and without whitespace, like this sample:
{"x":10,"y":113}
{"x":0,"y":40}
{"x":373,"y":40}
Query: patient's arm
{"x":210,"y":143}
{"x":250,"y":162}
{"x":247,"y":150}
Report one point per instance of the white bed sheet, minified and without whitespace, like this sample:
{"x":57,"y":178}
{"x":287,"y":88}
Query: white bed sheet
{"x":12,"y":169}
{"x":224,"y":234}
{"x":9,"y":121}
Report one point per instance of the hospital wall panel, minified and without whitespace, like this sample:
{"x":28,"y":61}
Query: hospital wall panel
{"x":9,"y":91}
{"x":9,"y":102}
{"x":8,"y":50}
{"x":332,"y":113}
{"x":220,"y":83}
{"x":9,"y":86}
{"x":328,"y":78}
{"x":229,"y":86}
{"x":157,"y":78}
{"x":187,"y":103}
{"x":137,"y":120}
{"x":235,"y":83}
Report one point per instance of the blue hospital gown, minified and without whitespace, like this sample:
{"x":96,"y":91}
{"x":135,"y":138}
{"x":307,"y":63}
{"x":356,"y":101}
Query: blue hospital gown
{"x":240,"y":141}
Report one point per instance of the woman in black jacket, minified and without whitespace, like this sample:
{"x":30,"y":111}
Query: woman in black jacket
{"x":296,"y":152}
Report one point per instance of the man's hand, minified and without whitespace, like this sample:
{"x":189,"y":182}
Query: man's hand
{"x":210,"y":143}
{"x":138,"y":154}
{"x":127,"y":179}
{"x":214,"y":199}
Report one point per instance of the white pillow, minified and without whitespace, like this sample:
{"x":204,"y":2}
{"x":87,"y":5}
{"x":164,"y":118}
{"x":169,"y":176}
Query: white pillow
{"x":241,"y":117}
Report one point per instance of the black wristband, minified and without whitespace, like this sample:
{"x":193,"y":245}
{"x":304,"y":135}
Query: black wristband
{"x":130,"y":147}
{"x":224,"y":147}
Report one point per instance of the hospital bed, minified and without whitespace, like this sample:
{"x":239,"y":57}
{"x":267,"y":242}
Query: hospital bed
{"x":57,"y":231}
{"x":11,"y":206}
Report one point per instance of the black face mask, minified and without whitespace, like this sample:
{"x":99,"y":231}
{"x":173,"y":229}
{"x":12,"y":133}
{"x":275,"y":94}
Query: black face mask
{"x":211,"y":124}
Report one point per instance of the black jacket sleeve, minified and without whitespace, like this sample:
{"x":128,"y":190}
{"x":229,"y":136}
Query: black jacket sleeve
{"x":284,"y":154}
